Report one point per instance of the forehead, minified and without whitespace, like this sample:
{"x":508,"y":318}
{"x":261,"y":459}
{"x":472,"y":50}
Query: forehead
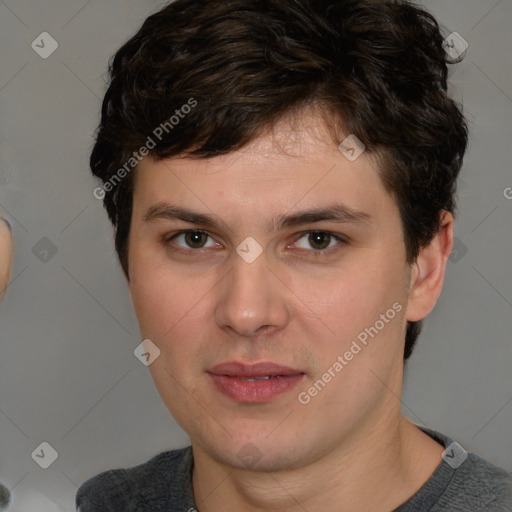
{"x":296,"y":163}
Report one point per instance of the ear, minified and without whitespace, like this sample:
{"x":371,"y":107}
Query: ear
{"x":6,"y":249}
{"x":427,"y":276}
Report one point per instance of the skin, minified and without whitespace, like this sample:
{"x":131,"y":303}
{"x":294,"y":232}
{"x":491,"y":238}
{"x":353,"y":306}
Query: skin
{"x":6,"y":248}
{"x":294,"y":306}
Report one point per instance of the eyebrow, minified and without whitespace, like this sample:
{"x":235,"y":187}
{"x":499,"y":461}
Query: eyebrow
{"x":338,"y":212}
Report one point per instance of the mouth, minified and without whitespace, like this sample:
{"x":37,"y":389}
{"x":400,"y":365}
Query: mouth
{"x":254,"y":383}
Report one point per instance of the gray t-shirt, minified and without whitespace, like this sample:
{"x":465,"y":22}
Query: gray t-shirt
{"x":463,"y":482}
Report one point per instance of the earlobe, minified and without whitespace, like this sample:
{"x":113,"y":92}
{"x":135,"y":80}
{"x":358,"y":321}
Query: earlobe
{"x":427,"y":275}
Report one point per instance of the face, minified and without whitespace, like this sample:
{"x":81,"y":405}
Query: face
{"x":274,"y":282}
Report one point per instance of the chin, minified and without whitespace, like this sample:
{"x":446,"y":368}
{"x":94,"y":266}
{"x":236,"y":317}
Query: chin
{"x":256,"y":453}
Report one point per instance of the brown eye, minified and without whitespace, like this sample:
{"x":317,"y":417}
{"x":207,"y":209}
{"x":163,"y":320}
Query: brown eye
{"x":319,"y":241}
{"x":193,"y":239}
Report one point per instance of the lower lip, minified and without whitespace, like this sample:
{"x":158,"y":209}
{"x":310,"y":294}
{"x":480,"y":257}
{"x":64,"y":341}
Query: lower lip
{"x":257,"y":391}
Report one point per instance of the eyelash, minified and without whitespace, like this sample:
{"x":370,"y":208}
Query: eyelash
{"x":317,"y":252}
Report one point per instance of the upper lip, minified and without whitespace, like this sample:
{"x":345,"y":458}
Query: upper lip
{"x":237,"y":369}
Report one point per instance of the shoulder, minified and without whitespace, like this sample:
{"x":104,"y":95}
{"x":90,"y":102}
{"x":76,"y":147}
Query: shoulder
{"x":482,"y":485}
{"x":148,"y":484}
{"x":466,"y":482}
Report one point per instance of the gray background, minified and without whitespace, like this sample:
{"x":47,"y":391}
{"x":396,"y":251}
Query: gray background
{"x":68,"y":375}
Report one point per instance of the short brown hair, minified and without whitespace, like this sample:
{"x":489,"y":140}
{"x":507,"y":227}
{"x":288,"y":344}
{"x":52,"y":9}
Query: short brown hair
{"x":378,"y":67}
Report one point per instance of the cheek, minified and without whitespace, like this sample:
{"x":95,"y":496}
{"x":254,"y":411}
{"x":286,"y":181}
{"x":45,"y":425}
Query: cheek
{"x":354,"y":301}
{"x":158,"y":297}
{"x":355,"y":295}
{"x":171,"y":310}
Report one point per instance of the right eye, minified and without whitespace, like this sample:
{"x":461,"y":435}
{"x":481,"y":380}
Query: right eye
{"x":193,"y":238}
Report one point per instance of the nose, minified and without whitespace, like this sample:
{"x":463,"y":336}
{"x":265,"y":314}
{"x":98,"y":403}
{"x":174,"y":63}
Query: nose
{"x":253,"y":298}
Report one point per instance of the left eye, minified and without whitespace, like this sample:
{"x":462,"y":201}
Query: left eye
{"x":319,"y":240}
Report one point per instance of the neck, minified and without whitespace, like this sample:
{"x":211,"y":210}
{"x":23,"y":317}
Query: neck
{"x":378,"y":469}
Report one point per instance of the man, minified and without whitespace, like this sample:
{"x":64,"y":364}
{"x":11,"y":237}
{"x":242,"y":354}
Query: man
{"x":281,"y":176}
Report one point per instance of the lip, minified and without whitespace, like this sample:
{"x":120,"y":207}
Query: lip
{"x":230,"y":379}
{"x":238,"y":369}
